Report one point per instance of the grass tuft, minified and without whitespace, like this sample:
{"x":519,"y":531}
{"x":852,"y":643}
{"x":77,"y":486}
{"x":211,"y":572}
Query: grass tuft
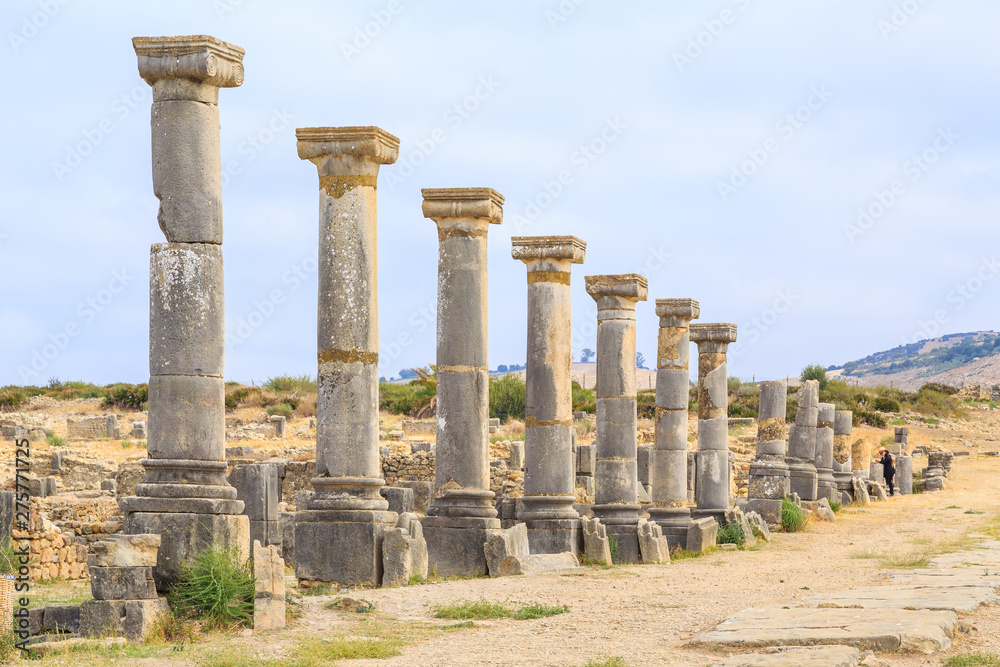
{"x":972,"y":660}
{"x":607,"y":661}
{"x":216,"y":587}
{"x":483,"y":609}
{"x":731,"y":533}
{"x":793,"y":519}
{"x":905,"y":562}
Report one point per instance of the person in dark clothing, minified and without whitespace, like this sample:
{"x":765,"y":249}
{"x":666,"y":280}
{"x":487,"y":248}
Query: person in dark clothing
{"x":888,"y":469}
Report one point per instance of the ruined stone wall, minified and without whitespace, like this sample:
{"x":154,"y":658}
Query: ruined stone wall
{"x":55,"y":554}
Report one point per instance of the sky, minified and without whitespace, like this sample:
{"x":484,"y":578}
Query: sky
{"x":822,"y":174}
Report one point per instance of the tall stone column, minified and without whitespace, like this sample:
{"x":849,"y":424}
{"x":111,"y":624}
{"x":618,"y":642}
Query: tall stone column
{"x":616,"y":479}
{"x":769,"y":481}
{"x":826,"y":485}
{"x":549,"y":464}
{"x":712,"y":486}
{"x":801,"y":458}
{"x":185,"y":497}
{"x":842,"y":422}
{"x":668,"y":465}
{"x":346,"y":509}
{"x":461,"y":514}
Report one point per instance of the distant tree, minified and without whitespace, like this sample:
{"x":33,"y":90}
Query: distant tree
{"x":640,"y":361}
{"x":407,"y":374}
{"x":586,"y":355}
{"x":815,"y":372}
{"x":502,"y":368}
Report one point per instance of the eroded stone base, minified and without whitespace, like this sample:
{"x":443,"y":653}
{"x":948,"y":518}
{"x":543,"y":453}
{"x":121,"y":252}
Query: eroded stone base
{"x":554,"y":536}
{"x":120,"y":618}
{"x":624,"y":543}
{"x":341,"y":546}
{"x":455,"y":545}
{"x":184,"y":535}
{"x":769,"y":510}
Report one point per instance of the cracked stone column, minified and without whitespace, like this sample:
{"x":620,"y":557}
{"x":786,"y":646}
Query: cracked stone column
{"x":616,"y":479}
{"x":712,"y":486}
{"x":826,"y":485}
{"x":801,"y":458}
{"x":769,"y":481}
{"x":549,"y":462}
{"x":842,"y":422}
{"x":185,"y":497}
{"x":668,"y":465}
{"x":461,"y":515}
{"x":346,"y":509}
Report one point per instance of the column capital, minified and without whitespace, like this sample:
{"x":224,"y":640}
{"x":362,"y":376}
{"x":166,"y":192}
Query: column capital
{"x":713,"y":333}
{"x":480,"y":203}
{"x":528,"y":248}
{"x":369,"y":142}
{"x":200,"y":58}
{"x":686,"y":309}
{"x":628,"y":286}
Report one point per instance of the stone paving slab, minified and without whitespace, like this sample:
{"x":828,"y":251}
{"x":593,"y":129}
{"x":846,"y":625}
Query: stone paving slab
{"x":907,"y":596}
{"x":885,"y":630}
{"x":949,"y":577}
{"x":821,"y":656}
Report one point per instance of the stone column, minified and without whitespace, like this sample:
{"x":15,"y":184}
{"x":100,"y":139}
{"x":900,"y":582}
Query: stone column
{"x":861,"y":454}
{"x":668,"y":468}
{"x":769,"y":481}
{"x":826,"y":485}
{"x":346,"y":508}
{"x":185,"y":497}
{"x":549,"y":465}
{"x":616,"y":479}
{"x":712,"y":486}
{"x":461,"y":516}
{"x":842,"y":422}
{"x":801,"y":457}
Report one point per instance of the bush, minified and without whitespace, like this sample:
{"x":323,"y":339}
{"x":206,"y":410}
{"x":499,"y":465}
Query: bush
{"x":283,"y":409}
{"x":11,"y":398}
{"x":584,"y":400}
{"x":793,"y":519}
{"x":302,"y":384}
{"x":870,"y":418}
{"x":885,"y":404}
{"x":55,"y":440}
{"x":731,"y":533}
{"x":126,"y":396}
{"x":815,"y":372}
{"x":646,"y":404}
{"x":8,"y":556}
{"x":216,"y":586}
{"x":508,"y":398}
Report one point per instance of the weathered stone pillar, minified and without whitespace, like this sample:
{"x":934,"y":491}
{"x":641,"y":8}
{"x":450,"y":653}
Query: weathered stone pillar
{"x":185,"y":497}
{"x":668,"y":467}
{"x":461,"y":515}
{"x":801,"y":457}
{"x":712,"y":487}
{"x":346,"y":509}
{"x":826,"y":485}
{"x":769,"y":481}
{"x":842,"y":422}
{"x":616,"y":480}
{"x":861,"y":455}
{"x":549,"y":464}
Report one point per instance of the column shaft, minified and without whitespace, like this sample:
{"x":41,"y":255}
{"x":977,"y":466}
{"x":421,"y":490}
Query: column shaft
{"x":801,"y":458}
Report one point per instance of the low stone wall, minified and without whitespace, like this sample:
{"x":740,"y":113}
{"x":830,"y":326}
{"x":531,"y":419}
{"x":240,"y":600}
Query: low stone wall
{"x":93,"y":428}
{"x":55,"y":553}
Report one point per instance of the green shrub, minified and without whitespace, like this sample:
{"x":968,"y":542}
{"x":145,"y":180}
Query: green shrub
{"x":870,"y":418}
{"x":55,"y":440}
{"x":283,"y":409}
{"x":508,"y":397}
{"x":646,"y":404}
{"x":885,"y":404}
{"x":793,"y":519}
{"x":584,"y":400}
{"x":68,"y":391}
{"x":11,"y":398}
{"x":238,"y":395}
{"x":126,"y":396}
{"x":217,"y":587}
{"x":975,"y":659}
{"x":607,"y":661}
{"x":8,"y":556}
{"x":815,"y":372}
{"x":482,"y":609}
{"x":303,"y":384}
{"x":731,"y":533}
{"x":835,"y":506}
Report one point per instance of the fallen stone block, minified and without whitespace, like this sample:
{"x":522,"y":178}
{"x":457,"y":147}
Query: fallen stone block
{"x":820,"y":656}
{"x":736,"y":516}
{"x":423,"y":492}
{"x":821,"y":508}
{"x":596,"y":545}
{"x":861,"y":495}
{"x":510,"y":542}
{"x":702,"y":534}
{"x":516,"y":459}
{"x":586,"y":459}
{"x":653,"y":547}
{"x":269,"y":588}
{"x":404,"y":552}
{"x":62,"y":618}
{"x":124,"y":551}
{"x":890,"y":630}
{"x":132,"y":619}
{"x":536,"y":564}
{"x":759,"y":525}
{"x":878,"y":491}
{"x":400,"y":498}
{"x":109,"y":485}
{"x":122,"y":583}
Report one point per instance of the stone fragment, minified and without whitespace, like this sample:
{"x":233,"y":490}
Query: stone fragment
{"x":759,"y":525}
{"x":423,"y":492}
{"x":596,"y":545}
{"x":400,"y":498}
{"x":119,"y":551}
{"x":702,"y":534}
{"x":404,"y":552}
{"x":510,"y":542}
{"x":122,"y":583}
{"x":132,"y":619}
{"x":861,"y":496}
{"x":278,"y":422}
{"x":586,"y":459}
{"x":109,"y":485}
{"x":269,"y":588}
{"x":653,"y":547}
{"x":820,"y":656}
{"x":516,"y":459}
{"x":139,"y":430}
{"x":62,"y":618}
{"x":536,"y":564}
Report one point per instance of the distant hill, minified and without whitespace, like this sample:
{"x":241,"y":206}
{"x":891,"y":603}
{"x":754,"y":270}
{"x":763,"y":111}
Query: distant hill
{"x":956,"y":359}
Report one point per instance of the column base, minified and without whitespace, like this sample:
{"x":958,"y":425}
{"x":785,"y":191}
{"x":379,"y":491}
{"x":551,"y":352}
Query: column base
{"x":802,"y":480}
{"x":768,"y":480}
{"x":183,"y":535}
{"x":455,"y":544}
{"x":554,"y":536}
{"x":674,"y":522}
{"x":341,"y":546}
{"x":625,"y":546}
{"x":719,"y":514}
{"x":769,"y":509}
{"x":826,"y":485}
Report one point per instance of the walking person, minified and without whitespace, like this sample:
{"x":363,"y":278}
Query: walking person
{"x":888,"y":469}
